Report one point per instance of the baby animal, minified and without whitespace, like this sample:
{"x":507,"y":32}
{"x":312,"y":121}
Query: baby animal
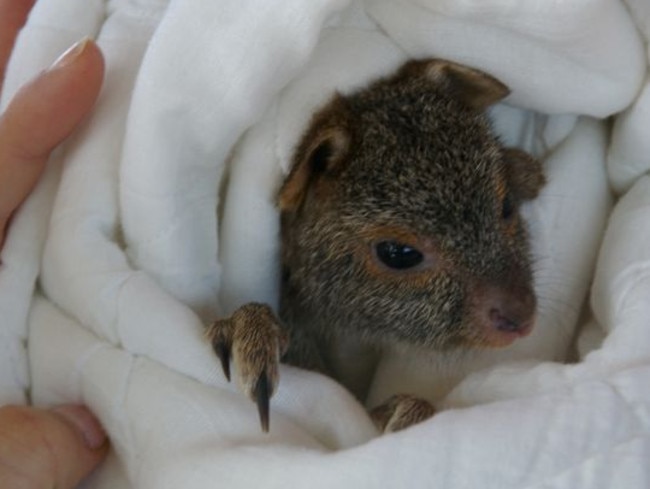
{"x":400,"y":225}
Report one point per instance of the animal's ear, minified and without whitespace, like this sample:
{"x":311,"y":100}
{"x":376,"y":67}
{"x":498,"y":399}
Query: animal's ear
{"x":320,"y":153}
{"x":525,"y":174}
{"x":475,"y":88}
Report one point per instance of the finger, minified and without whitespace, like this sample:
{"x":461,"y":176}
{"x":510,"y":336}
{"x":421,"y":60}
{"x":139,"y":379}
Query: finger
{"x":41,"y":115}
{"x":13,"y":14}
{"x":45,"y":449}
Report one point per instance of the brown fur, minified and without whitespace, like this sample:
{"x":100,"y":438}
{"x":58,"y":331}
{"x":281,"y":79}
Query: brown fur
{"x":410,"y":159}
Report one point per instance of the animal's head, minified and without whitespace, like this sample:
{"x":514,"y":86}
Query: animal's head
{"x":401,"y":216}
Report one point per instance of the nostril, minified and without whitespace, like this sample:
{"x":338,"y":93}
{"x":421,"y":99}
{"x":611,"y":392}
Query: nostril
{"x":503,"y":323}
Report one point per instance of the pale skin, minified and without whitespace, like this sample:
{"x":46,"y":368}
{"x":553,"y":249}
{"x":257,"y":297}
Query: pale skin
{"x":58,"y":447}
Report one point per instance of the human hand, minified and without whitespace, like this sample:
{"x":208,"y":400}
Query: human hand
{"x":41,"y":449}
{"x":43,"y":113}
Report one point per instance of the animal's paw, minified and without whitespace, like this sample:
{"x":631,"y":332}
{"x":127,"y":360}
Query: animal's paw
{"x":255,"y":340}
{"x":401,"y":411}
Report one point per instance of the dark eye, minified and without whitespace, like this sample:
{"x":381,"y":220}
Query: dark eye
{"x":398,"y":256}
{"x":507,"y":207}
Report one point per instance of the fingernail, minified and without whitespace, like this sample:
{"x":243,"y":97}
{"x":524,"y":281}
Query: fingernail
{"x":85,"y":423}
{"x":71,"y":54}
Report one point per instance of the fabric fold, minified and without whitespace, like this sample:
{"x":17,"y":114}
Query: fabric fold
{"x":159,"y":215}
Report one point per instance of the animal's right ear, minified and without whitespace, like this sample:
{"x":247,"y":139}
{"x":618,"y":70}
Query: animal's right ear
{"x":473,"y":87}
{"x":320,"y":154}
{"x":525,"y":173}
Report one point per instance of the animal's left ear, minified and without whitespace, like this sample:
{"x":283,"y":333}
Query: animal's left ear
{"x":524,"y":173}
{"x":320,"y":155}
{"x":475,"y":88}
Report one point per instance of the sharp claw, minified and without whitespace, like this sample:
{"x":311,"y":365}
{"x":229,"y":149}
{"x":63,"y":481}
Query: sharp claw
{"x":262,"y":396}
{"x":223,"y":352}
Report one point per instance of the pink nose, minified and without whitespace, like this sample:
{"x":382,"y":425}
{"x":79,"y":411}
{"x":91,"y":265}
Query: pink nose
{"x":509,"y":326}
{"x":507,"y":315}
{"x":506,"y":324}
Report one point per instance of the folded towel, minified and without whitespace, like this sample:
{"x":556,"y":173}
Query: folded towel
{"x":164,"y":218}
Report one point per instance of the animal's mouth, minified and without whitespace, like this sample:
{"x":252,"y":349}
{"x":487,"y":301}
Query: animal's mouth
{"x":499,"y":331}
{"x":501,"y":315}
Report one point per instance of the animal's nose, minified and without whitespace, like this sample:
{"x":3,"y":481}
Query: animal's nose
{"x":506,"y":315}
{"x":501,"y":322}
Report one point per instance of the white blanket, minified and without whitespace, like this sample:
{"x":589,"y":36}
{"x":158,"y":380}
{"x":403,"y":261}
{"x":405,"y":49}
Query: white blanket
{"x":140,"y":239}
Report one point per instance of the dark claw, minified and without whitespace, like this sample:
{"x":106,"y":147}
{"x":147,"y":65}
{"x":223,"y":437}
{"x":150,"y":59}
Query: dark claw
{"x":262,"y":396}
{"x":223,"y":352}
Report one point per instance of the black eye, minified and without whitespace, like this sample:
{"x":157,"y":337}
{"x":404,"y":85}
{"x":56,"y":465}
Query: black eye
{"x":507,"y":207}
{"x":398,"y":255}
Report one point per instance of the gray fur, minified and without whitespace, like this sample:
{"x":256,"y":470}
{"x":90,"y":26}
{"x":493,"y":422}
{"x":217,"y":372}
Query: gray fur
{"x":411,"y":157}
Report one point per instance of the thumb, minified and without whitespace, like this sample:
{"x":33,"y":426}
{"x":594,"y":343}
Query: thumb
{"x":43,"y":449}
{"x":40,"y":116}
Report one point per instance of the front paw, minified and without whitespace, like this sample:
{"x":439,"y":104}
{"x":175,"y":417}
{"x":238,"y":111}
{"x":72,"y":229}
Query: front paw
{"x":401,"y":411}
{"x":255,"y":339}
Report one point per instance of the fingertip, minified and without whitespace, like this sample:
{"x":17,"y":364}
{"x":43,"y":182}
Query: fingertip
{"x":85,"y":61}
{"x":48,"y":108}
{"x":79,"y":72}
{"x":85,"y":423}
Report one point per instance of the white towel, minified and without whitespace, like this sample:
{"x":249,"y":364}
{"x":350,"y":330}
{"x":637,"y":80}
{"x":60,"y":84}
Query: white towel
{"x":136,"y":259}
